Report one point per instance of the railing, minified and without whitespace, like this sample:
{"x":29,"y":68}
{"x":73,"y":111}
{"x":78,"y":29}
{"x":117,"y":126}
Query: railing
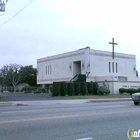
{"x":87,"y":74}
{"x":75,"y":78}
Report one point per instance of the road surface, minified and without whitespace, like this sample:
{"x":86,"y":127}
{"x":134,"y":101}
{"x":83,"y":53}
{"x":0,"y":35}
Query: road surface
{"x":85,"y":121}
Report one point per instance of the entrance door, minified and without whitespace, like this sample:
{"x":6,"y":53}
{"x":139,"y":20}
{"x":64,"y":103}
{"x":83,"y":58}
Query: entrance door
{"x":76,"y":68}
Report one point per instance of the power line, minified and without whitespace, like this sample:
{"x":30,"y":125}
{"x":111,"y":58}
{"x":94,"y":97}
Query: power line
{"x":16,"y":13}
{"x":3,"y":14}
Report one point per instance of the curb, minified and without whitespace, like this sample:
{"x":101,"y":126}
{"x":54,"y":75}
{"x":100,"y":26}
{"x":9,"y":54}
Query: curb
{"x":5,"y":103}
{"x":112,"y":100}
{"x":60,"y":102}
{"x":10,"y":103}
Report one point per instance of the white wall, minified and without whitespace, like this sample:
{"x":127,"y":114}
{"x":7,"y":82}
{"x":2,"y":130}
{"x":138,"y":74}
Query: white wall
{"x":118,"y":85}
{"x":100,"y":64}
{"x":60,"y":65}
{"x":115,"y":84}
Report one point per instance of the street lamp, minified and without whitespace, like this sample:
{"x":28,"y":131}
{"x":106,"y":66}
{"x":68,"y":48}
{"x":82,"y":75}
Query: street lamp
{"x":2,"y":6}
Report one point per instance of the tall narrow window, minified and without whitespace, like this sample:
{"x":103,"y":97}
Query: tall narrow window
{"x":48,"y":70}
{"x":112,"y":66}
{"x":109,"y":67}
{"x":116,"y":68}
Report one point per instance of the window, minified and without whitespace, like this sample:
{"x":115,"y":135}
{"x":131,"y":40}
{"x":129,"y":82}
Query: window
{"x":116,"y":67}
{"x":112,"y":66}
{"x":50,"y":69}
{"x":46,"y":70}
{"x":109,"y":67}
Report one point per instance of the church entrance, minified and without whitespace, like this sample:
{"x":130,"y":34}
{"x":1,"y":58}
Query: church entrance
{"x":76,"y":68}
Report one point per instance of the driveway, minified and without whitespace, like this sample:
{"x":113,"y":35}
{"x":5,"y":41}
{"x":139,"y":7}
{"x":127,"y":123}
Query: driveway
{"x":19,"y":96}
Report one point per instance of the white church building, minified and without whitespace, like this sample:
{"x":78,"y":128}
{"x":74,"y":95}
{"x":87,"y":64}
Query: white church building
{"x":114,"y":72}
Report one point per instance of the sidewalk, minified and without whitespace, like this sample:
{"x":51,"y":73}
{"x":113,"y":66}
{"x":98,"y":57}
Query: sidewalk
{"x":54,"y":102}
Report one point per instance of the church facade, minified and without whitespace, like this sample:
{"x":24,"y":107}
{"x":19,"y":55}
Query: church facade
{"x":113,"y":72}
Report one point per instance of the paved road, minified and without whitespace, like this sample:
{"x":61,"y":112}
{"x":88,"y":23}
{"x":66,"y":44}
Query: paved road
{"x":85,"y":121}
{"x":27,"y":97}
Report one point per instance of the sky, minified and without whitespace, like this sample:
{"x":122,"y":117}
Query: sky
{"x":50,"y":27}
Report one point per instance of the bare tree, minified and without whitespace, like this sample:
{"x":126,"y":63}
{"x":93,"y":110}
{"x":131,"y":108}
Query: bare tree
{"x":11,"y":74}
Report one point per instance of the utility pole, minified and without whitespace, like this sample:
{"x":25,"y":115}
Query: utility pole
{"x":2,"y":9}
{"x":3,"y":6}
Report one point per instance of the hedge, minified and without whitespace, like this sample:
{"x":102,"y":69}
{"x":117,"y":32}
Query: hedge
{"x":123,"y":90}
{"x":37,"y":92}
{"x":138,"y":89}
{"x":132,"y":90}
{"x":83,"y":88}
{"x":56,"y":88}
{"x":81,"y":78}
{"x":102,"y":91}
{"x":90,"y":87}
{"x":77,"y":88}
{"x":27,"y":89}
{"x":70,"y":88}
{"x":63,"y":88}
{"x":95,"y":87}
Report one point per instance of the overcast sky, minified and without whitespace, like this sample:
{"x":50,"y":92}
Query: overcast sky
{"x":49,"y":27}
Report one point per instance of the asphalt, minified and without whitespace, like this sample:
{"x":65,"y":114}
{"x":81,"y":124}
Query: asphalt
{"x":46,"y":99}
{"x":55,"y":102}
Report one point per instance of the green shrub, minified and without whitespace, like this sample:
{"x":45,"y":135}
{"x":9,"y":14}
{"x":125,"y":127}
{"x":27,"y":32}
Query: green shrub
{"x":43,"y":90}
{"x":34,"y":89}
{"x":37,"y":92}
{"x":123,"y":90}
{"x":56,"y":88}
{"x":132,"y":90}
{"x":138,"y":89}
{"x":103,"y":91}
{"x":39,"y":89}
{"x":63,"y":89}
{"x":77,"y":88}
{"x":95,"y":87}
{"x":27,"y":89}
{"x":83,"y":88}
{"x":81,"y":78}
{"x":10,"y":89}
{"x":90,"y":87}
{"x":70,"y":87}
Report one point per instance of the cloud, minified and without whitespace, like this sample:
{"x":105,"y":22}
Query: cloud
{"x":119,"y":17}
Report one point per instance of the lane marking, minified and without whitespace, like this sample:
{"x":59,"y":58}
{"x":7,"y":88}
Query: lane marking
{"x":90,"y":138}
{"x":37,"y":110}
{"x":68,"y":116}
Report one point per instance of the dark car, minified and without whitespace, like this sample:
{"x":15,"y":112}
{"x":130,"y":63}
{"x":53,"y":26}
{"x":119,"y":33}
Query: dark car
{"x":136,"y":98}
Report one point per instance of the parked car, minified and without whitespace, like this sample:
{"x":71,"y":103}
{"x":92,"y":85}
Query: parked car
{"x":136,"y":98}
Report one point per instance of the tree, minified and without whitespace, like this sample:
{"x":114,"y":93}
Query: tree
{"x":29,"y":75}
{"x":11,"y":74}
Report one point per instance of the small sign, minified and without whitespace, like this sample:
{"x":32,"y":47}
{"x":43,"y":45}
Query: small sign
{"x":2,"y":7}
